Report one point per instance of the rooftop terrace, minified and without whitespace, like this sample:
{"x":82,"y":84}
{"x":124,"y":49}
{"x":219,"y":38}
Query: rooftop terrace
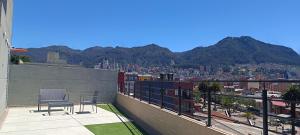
{"x":153,"y":107}
{"x":28,"y":121}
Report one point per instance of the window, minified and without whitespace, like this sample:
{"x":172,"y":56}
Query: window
{"x":188,"y":92}
{"x":176,"y":92}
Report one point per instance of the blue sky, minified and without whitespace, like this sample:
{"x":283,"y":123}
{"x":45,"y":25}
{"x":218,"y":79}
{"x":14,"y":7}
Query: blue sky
{"x":177,"y":25}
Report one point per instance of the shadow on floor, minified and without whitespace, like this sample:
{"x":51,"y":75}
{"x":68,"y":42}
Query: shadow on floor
{"x":36,"y":111}
{"x":131,"y":126}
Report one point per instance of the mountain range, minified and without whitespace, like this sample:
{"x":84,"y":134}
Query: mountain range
{"x":228,"y":51}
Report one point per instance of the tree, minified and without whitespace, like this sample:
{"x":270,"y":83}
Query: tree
{"x":215,"y":87}
{"x":197,"y":96}
{"x":197,"y":99}
{"x":248,"y":115}
{"x":15,"y":59}
{"x":227,"y":102}
{"x":292,"y":96}
{"x":247,"y":102}
{"x":203,"y":88}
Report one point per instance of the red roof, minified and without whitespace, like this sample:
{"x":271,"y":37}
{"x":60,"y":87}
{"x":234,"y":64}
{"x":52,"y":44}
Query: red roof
{"x":278,"y":103}
{"x":18,"y":50}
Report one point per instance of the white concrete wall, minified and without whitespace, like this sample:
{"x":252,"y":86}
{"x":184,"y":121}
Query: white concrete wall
{"x":25,"y":81}
{"x":5,"y":42}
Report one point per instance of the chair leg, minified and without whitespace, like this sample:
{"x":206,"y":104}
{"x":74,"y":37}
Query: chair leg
{"x":49,"y":110}
{"x":80,"y":108}
{"x":38,"y":107}
{"x":96,"y":108}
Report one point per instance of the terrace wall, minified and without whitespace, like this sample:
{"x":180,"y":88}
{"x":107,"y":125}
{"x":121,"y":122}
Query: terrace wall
{"x":26,"y":80}
{"x":158,"y":121}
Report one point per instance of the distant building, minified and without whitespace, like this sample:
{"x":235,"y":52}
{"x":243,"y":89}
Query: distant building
{"x":280,"y":87}
{"x":130,"y":79}
{"x":253,"y":85}
{"x":53,"y":58}
{"x":121,"y":81}
{"x":105,"y":64}
{"x":166,"y":77}
{"x":145,"y":77}
{"x":243,"y":84}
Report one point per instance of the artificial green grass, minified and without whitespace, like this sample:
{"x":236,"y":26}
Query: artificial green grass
{"x":120,"y":128}
{"x":126,"y":128}
{"x":111,"y":108}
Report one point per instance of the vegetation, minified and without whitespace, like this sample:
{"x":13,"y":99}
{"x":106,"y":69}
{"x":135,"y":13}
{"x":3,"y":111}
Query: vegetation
{"x":246,"y":102}
{"x":203,"y":88}
{"x":241,"y":50}
{"x":121,"y":128}
{"x":197,"y":96}
{"x":227,"y":102}
{"x":215,"y":87}
{"x":126,"y":128}
{"x":292,"y":96}
{"x":15,"y":59}
{"x":248,"y":115}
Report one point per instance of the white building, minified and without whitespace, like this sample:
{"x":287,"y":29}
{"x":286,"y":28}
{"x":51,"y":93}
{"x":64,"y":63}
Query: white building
{"x":6,"y":11}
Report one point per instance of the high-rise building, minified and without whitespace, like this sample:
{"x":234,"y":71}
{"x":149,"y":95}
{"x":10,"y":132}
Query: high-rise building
{"x":6,"y":11}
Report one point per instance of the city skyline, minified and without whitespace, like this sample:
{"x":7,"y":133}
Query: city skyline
{"x":179,"y":26}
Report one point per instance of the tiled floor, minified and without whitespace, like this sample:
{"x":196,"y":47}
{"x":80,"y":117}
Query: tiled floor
{"x":26,"y":121}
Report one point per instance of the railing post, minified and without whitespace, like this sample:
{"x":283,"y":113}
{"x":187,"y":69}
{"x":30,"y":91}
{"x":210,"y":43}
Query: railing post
{"x":293,"y":114}
{"x":162,"y":98}
{"x":209,"y":108}
{"x":180,"y":98}
{"x":149,"y":94}
{"x":140,"y":91}
{"x":128,"y":90}
{"x":134,"y":89}
{"x":265,"y":109}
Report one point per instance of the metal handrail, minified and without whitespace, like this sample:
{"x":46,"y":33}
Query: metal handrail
{"x":146,"y":94}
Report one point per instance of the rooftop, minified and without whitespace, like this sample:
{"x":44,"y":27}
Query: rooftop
{"x":28,"y":121}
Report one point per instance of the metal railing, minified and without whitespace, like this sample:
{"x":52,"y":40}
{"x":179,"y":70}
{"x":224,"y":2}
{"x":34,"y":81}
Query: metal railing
{"x":225,"y":108}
